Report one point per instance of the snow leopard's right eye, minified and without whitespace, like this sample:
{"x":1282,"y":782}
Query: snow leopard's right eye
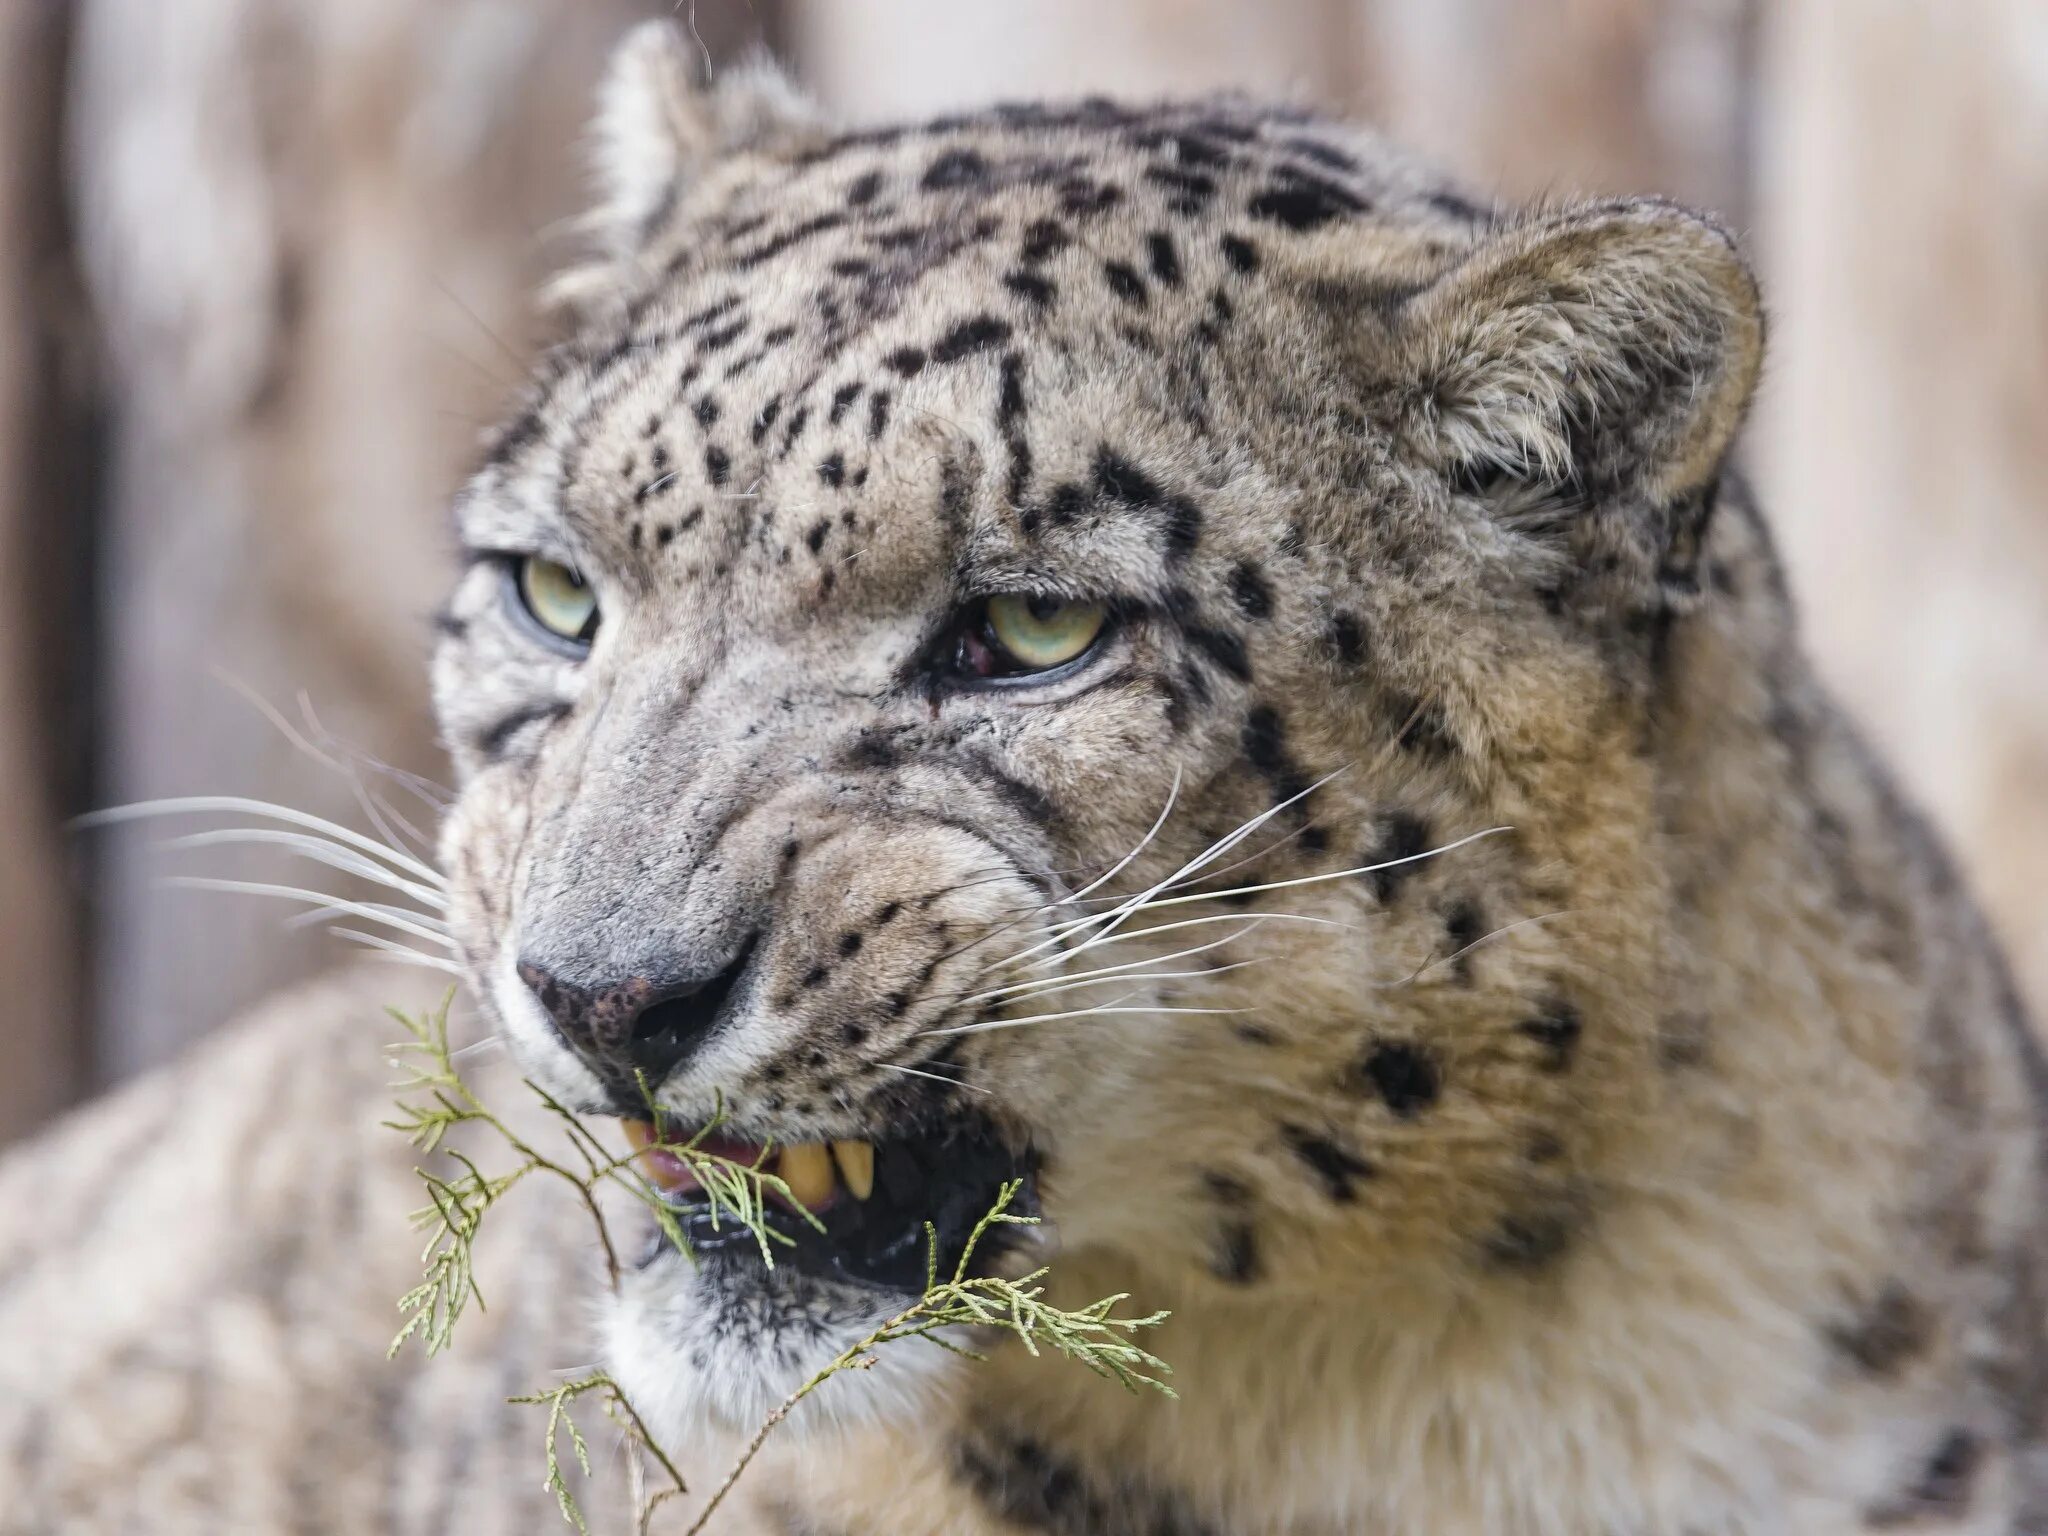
{"x":557,"y":598}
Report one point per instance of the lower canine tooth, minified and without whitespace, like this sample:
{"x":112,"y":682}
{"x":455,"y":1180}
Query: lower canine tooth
{"x":806,"y":1167}
{"x":856,"y":1160}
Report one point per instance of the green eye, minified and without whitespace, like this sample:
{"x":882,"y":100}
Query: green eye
{"x":1037,"y":633}
{"x":559,"y":600}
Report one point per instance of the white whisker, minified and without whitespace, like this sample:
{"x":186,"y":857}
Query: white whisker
{"x":1072,"y":1013}
{"x":1485,"y":938}
{"x":1192,"y":922}
{"x":1172,"y":795}
{"x":392,"y":949}
{"x":1111,"y":970}
{"x":1215,"y":850}
{"x":1052,"y":984}
{"x":376,"y":912}
{"x":333,"y":855}
{"x":244,"y":806}
{"x":1282,"y":885}
{"x":950,"y":1082}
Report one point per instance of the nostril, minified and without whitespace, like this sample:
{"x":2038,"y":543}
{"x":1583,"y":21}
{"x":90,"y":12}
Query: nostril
{"x":637,"y":1031}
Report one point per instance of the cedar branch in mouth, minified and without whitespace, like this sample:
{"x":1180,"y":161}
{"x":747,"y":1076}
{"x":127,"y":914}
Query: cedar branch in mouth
{"x":872,"y":1199}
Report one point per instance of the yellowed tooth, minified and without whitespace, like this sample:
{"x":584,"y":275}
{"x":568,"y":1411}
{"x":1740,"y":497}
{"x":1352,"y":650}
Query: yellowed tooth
{"x":856,"y":1160}
{"x":806,"y":1167}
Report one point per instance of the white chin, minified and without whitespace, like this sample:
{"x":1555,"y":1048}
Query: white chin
{"x":719,"y":1347}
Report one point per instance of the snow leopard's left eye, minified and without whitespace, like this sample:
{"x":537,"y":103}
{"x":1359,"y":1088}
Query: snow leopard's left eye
{"x":1016,"y":636}
{"x":557,"y":598}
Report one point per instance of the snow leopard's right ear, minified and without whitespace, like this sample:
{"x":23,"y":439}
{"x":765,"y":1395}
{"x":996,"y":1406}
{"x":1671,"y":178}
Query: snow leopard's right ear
{"x":656,"y":129}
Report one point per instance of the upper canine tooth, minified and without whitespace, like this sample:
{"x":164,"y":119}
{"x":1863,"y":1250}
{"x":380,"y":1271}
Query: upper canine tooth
{"x":856,"y":1160}
{"x":806,"y":1167}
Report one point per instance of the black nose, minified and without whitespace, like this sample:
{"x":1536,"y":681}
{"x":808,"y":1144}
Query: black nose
{"x":634,"y":1033}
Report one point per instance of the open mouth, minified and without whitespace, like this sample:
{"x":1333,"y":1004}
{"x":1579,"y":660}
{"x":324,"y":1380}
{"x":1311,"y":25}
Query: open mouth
{"x":870,"y":1203}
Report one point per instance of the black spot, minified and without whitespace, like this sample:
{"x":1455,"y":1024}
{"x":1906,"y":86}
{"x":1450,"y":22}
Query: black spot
{"x":955,"y":168}
{"x":1529,"y":1242}
{"x":969,"y":337}
{"x":864,"y":188}
{"x":849,"y":942}
{"x":1896,"y":1330}
{"x":1347,"y":638}
{"x":1464,"y":926}
{"x":725,"y":336}
{"x":1221,"y":647}
{"x":814,"y":977}
{"x":1124,"y":281}
{"x":1943,"y":1487}
{"x":1118,"y":479}
{"x":816,"y":537}
{"x":832,"y":470}
{"x":908,"y":361}
{"x":842,"y":400}
{"x":1423,"y":728}
{"x":853,"y":1033}
{"x":707,"y":411}
{"x":1323,"y":154}
{"x":717,"y":464}
{"x":1457,"y":207}
{"x":1191,"y":189}
{"x":1083,"y":196}
{"x":796,"y":235}
{"x":1304,"y":202}
{"x":1163,"y":258}
{"x":1557,"y":1030}
{"x":1406,"y":1077}
{"x":766,"y":417}
{"x":878,"y":413}
{"x":1338,"y":1168}
{"x":1236,"y":1255}
{"x":1403,"y":838}
{"x":1044,"y":238}
{"x":1030,"y":287}
{"x":1010,"y":397}
{"x":890,"y":911}
{"x":1252,"y":593}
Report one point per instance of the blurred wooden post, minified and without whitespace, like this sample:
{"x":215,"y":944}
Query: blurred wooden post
{"x":45,"y":629}
{"x":1904,"y":199}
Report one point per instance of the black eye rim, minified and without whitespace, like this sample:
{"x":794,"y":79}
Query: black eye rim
{"x":971,"y":623}
{"x":510,"y":564}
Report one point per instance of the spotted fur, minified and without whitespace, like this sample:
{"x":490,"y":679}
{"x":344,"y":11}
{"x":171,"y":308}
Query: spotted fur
{"x":1623,"y":1123}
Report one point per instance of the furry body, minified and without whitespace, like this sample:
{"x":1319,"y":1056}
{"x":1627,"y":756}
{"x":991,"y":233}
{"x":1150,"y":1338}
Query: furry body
{"x":1617,"y":1122}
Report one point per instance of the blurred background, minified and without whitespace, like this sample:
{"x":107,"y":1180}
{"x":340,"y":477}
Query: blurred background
{"x":264,"y":277}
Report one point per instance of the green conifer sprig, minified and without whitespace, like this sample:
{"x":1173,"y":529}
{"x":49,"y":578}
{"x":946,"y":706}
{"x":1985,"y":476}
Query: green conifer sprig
{"x":434,"y":1100}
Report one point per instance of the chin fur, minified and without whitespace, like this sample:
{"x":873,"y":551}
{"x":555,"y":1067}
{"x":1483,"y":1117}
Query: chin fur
{"x":717,"y":1347}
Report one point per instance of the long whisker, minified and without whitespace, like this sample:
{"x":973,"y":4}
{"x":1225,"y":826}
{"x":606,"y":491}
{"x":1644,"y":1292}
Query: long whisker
{"x":1073,"y":1013}
{"x":1193,"y":922}
{"x":1111,"y":970}
{"x":1172,"y":795}
{"x":1049,"y":985}
{"x":1485,"y":938}
{"x":393,"y":950}
{"x":320,"y":851}
{"x":1215,"y":850}
{"x":375,"y":912}
{"x":950,"y":1082}
{"x":241,"y":805}
{"x":1281,"y":885}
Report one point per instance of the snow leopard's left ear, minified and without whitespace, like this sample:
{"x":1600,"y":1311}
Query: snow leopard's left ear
{"x":1586,"y":370}
{"x":657,"y":128}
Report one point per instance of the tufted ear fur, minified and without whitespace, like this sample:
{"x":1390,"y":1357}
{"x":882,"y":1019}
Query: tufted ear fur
{"x":1596,"y":357}
{"x":656,"y":127}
